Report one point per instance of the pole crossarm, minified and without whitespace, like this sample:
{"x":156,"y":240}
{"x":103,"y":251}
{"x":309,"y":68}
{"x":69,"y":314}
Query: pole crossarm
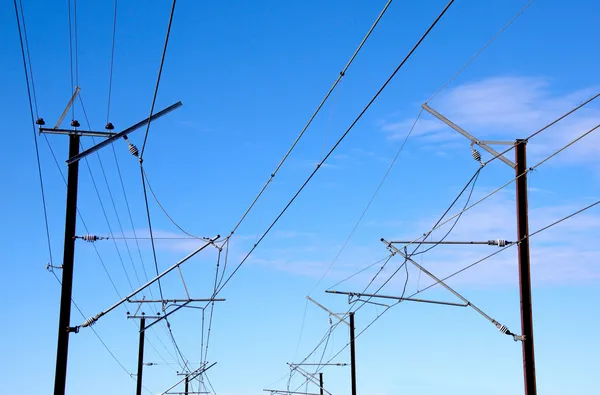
{"x":400,"y":298}
{"x":175,"y":300}
{"x":93,"y":320}
{"x":498,"y":325}
{"x":497,"y":242}
{"x":89,"y":133}
{"x":469,"y":136}
{"x":124,"y":133}
{"x":196,"y":373}
{"x":317,"y":364}
{"x":309,"y":376}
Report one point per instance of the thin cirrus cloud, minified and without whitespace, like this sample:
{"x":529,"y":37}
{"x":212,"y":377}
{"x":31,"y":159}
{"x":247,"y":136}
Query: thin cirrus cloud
{"x":508,"y":108}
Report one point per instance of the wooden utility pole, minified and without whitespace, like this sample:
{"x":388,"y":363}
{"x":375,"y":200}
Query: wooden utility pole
{"x":140,"y":369}
{"x":521,"y":170}
{"x":352,"y":354}
{"x":64,"y":321}
{"x":524,"y":268}
{"x":321,"y":383}
{"x":64,"y":324}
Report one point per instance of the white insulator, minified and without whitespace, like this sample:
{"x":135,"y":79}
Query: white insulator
{"x":476,"y":155}
{"x":89,"y":322}
{"x":501,"y":243}
{"x":502,"y":328}
{"x":90,"y":238}
{"x":133,"y":149}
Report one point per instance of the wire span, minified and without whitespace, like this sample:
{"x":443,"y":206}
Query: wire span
{"x":313,"y":116}
{"x":339,"y":141}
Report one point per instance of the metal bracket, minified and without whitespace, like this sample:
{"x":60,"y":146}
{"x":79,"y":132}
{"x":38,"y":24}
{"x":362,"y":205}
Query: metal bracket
{"x":469,"y":136}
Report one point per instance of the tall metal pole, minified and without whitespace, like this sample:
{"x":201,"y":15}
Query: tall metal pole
{"x":187,"y":383}
{"x":64,"y":322}
{"x":321,"y":383}
{"x":141,"y":357}
{"x":352,"y":354}
{"x":524,"y":268}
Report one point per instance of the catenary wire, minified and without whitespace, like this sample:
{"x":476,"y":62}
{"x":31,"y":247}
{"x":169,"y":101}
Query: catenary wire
{"x":490,"y":255}
{"x":480,"y":51}
{"x":449,"y":219}
{"x":339,"y":141}
{"x":112,"y":61}
{"x":371,"y":200}
{"x":313,"y":116}
{"x":76,"y":43}
{"x":112,"y":201}
{"x":71,"y":56}
{"x":28,"y":54}
{"x":511,"y":180}
{"x":162,"y":61}
{"x":510,"y":245}
{"x":164,"y":210}
{"x":35,"y":139}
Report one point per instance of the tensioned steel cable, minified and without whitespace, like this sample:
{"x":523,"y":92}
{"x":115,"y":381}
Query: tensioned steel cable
{"x":339,"y":141}
{"x":313,"y":116}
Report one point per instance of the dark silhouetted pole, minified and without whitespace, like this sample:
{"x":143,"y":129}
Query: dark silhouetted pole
{"x":187,"y":383}
{"x":64,"y":322}
{"x":141,"y":357}
{"x":352,"y":354}
{"x":321,"y":383}
{"x":524,"y":268}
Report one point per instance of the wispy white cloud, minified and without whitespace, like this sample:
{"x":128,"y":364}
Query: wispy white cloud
{"x":506,"y":108}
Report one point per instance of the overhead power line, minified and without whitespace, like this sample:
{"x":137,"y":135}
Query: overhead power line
{"x":31,"y":107}
{"x":313,"y":116}
{"x":481,"y":260}
{"x":480,"y":51}
{"x":112,"y":62}
{"x":162,"y":61}
{"x":339,"y":141}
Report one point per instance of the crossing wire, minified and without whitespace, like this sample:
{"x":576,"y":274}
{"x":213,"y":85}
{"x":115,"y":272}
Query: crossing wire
{"x":112,"y":61}
{"x":112,"y":201}
{"x":521,"y":11}
{"x":162,"y":61}
{"x":360,"y":115}
{"x":313,"y":116}
{"x":31,"y":109}
{"x":487,"y":257}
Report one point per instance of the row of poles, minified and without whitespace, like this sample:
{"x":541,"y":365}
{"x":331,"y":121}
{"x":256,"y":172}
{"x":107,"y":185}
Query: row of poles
{"x":65,"y":328}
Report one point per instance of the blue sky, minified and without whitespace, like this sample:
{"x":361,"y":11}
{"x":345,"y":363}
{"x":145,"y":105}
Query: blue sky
{"x":249,"y":75}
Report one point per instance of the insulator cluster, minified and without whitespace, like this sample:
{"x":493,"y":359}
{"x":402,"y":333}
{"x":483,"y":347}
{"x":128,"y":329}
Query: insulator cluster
{"x":133,"y":149}
{"x":91,"y":238}
{"x":89,"y":322}
{"x":498,"y":242}
{"x":475,"y":154}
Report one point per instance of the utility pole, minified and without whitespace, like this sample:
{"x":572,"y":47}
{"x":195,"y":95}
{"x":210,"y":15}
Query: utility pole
{"x":321,"y":383}
{"x":187,"y":383}
{"x":352,"y":353}
{"x":524,"y":268}
{"x":64,"y":322}
{"x":523,"y":241}
{"x":140,"y":369}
